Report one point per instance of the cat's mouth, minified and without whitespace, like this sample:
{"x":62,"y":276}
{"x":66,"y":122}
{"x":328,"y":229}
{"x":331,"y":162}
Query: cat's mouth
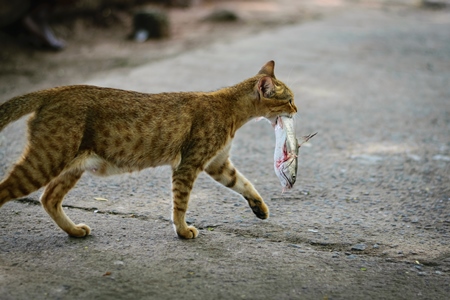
{"x":273,"y":120}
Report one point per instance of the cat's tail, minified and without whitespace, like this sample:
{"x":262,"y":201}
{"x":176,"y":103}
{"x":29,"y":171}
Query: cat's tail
{"x":19,"y":106}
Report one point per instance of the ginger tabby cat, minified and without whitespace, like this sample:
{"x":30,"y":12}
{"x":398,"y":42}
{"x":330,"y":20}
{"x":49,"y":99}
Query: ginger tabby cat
{"x":109,"y":131}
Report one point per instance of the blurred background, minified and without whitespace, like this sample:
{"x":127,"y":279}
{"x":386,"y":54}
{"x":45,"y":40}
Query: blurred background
{"x":46,"y":43}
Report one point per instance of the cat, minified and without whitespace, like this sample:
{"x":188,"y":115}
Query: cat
{"x":109,"y":131}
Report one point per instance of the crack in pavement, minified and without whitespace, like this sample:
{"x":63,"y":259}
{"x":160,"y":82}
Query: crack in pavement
{"x":322,"y":246}
{"x":294,"y":242}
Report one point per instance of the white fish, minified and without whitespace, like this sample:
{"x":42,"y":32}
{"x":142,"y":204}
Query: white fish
{"x":286,"y":151}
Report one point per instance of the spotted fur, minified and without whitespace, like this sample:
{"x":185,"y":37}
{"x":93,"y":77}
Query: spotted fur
{"x":109,"y":131}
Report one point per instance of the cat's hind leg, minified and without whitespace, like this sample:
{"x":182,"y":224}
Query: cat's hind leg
{"x":29,"y":174}
{"x":223,"y":171}
{"x":52,"y":199}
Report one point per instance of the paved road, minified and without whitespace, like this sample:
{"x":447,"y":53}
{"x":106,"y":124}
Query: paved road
{"x":370,"y":214}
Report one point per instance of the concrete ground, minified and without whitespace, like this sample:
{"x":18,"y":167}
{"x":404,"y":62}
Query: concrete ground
{"x":369,"y":216}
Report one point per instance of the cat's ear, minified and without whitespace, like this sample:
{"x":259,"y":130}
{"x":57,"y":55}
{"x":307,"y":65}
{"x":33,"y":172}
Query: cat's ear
{"x":268,"y":69}
{"x":266,"y":86}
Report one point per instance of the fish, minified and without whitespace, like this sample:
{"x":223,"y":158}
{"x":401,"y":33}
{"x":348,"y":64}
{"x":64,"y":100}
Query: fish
{"x":286,"y":151}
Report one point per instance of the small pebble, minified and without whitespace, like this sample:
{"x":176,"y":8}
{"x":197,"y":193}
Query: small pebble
{"x":359,"y":247}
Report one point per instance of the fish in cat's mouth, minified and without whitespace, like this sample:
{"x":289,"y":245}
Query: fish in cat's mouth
{"x":286,"y":151}
{"x":274,"y":120}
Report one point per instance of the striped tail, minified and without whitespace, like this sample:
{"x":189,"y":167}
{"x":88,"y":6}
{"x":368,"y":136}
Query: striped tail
{"x":19,"y":106}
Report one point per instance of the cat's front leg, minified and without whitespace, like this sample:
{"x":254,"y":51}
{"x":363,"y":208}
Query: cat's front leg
{"x":224,"y":172}
{"x":182,"y":183}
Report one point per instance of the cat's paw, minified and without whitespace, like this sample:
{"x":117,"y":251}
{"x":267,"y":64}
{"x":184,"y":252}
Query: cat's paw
{"x":80,"y":230}
{"x":189,"y":233}
{"x":260,"y":210}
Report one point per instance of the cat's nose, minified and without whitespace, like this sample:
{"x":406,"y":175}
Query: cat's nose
{"x":294,"y":107}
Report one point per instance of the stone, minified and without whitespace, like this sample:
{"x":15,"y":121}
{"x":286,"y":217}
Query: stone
{"x":359,"y":247}
{"x":150,"y":24}
{"x":222,"y":15}
{"x":435,"y":4}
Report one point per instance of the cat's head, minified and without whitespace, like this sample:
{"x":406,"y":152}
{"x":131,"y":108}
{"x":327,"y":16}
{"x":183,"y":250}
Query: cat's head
{"x":274,"y":98}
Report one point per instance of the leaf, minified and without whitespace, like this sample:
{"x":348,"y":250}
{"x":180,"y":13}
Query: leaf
{"x":363,"y":269}
{"x":107,"y":273}
{"x":100,"y":199}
